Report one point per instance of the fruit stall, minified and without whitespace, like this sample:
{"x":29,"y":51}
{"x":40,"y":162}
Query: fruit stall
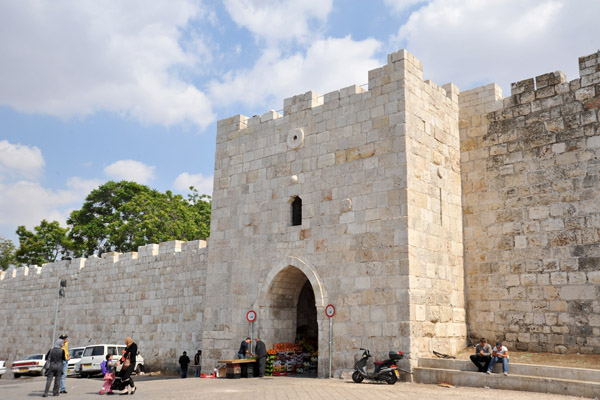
{"x":292,"y":359}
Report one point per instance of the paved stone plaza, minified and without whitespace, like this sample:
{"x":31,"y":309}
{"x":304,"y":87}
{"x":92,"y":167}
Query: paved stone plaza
{"x":150,"y":388}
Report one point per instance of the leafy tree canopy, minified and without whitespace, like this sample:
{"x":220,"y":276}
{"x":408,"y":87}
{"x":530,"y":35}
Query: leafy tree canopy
{"x":121,"y":216}
{"x":7,"y":253}
{"x":47,"y":243}
{"x":118,"y":216}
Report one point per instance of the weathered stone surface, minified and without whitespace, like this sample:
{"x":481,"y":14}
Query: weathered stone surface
{"x":413,"y":196}
{"x":551,"y":202}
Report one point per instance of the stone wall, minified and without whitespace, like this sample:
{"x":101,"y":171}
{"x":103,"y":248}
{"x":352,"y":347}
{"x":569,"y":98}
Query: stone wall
{"x":531,"y":168}
{"x":155,"y":296}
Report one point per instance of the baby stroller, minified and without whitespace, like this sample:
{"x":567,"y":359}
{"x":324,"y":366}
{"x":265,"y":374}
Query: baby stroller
{"x":109,"y":378}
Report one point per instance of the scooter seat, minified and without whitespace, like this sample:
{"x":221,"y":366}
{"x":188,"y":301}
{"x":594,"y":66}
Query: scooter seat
{"x":379,"y":362}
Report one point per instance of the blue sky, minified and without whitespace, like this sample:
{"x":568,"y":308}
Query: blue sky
{"x":97,"y":90}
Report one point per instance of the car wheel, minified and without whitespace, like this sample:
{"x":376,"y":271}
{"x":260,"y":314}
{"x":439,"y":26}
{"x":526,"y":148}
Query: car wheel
{"x":17,"y":375}
{"x":357,"y":377}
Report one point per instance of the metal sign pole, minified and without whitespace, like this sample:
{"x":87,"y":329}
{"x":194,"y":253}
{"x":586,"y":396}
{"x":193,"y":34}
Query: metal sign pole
{"x":330,"y":331}
{"x":55,"y":320}
{"x":251,"y":338}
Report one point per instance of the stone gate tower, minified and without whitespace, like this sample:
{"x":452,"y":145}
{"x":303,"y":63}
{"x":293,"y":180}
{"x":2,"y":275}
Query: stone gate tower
{"x":353,"y":197}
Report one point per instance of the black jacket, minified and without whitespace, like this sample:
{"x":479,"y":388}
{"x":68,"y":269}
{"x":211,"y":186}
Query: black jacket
{"x":55,"y":358}
{"x":261,"y":349}
{"x":130,"y":351}
{"x":184,"y":361}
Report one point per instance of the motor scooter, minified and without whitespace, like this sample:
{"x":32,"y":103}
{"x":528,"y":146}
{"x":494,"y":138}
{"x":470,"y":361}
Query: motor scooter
{"x":385,"y":371}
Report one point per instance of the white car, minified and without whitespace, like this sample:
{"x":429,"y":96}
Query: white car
{"x":32,"y":364}
{"x":75,"y":354}
{"x":93,"y":356}
{"x":2,"y":368}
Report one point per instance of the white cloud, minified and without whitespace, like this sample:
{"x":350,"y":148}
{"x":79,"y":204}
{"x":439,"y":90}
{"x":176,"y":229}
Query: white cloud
{"x":20,"y":160}
{"x":27,"y":203}
{"x":279,"y":20}
{"x":398,"y":6}
{"x":328,"y":65}
{"x":66,"y":59}
{"x":130,"y":170}
{"x":471,"y":42}
{"x":204,"y":184}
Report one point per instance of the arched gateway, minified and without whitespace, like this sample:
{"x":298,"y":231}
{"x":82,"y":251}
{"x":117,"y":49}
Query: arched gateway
{"x":291,"y":305}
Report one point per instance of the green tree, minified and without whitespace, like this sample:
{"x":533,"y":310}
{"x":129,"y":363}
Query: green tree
{"x":202,"y":206}
{"x":48,"y":243}
{"x":7,"y":253}
{"x":97,"y":226}
{"x":121,"y":216}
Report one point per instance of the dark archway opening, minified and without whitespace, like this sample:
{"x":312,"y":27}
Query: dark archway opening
{"x":291,"y":318}
{"x":307,"y":328}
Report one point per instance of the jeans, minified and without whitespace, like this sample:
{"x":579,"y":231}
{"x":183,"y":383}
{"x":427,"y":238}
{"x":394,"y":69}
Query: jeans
{"x":241,"y":356}
{"x":504,"y":362}
{"x":197,"y":368}
{"x":184,"y":371}
{"x":63,"y":378}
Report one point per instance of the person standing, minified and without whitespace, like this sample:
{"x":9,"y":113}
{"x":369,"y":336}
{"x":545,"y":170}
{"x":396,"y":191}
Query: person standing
{"x":125,"y":374}
{"x":198,"y":363}
{"x":65,"y":347}
{"x":54,"y":360}
{"x":184,"y":361}
{"x":261,"y":356}
{"x":243,"y":348}
{"x":499,"y":354}
{"x":483,"y":353}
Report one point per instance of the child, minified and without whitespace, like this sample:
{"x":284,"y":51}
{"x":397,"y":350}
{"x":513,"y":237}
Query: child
{"x":109,"y":374}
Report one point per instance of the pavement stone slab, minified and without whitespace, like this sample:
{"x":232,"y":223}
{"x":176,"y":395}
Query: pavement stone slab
{"x":269,"y":388}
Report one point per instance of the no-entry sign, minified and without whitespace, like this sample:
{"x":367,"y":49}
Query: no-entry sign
{"x":251,"y":316}
{"x":330,"y":310}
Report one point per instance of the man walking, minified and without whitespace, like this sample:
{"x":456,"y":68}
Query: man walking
{"x":65,"y":348}
{"x":261,"y":356}
{"x":184,"y":361}
{"x":483,"y":353}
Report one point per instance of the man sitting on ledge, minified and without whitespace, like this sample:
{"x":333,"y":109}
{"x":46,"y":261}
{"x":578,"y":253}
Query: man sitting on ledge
{"x":499,"y":354}
{"x":483,"y":353}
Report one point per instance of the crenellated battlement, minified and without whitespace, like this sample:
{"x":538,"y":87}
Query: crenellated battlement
{"x":400,"y":65}
{"x":73,"y":266}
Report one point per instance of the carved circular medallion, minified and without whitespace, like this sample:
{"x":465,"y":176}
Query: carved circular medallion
{"x":295,"y":138}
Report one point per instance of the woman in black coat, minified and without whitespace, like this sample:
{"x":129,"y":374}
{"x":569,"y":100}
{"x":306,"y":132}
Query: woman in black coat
{"x":53,"y":367}
{"x":125,"y":374}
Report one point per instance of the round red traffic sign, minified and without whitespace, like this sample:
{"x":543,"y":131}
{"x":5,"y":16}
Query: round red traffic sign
{"x":330,"y":310}
{"x":251,"y":316}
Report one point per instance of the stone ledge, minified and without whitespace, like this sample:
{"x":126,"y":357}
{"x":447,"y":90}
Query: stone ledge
{"x":514,"y":381}
{"x":546,"y":371}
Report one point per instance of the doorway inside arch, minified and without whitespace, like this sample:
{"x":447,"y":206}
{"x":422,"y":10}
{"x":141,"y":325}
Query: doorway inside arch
{"x":290,"y":320}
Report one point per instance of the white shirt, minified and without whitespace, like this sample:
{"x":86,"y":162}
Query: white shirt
{"x":503,"y":350}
